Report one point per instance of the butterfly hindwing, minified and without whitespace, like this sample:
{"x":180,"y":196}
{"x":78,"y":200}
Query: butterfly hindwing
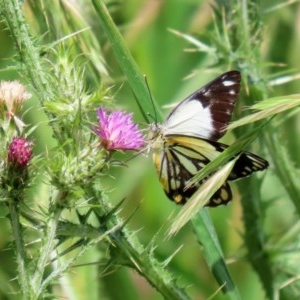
{"x":179,"y":162}
{"x":246,"y":164}
{"x":184,"y":156}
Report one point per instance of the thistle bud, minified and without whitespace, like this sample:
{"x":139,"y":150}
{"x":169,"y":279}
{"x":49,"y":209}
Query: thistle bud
{"x":19,"y":152}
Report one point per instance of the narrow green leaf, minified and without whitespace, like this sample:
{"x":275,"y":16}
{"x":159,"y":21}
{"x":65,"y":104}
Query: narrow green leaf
{"x":126,"y":62}
{"x":268,"y":108}
{"x":209,"y":241}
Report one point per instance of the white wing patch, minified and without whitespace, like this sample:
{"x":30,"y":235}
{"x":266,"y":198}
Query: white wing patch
{"x":190,"y":118}
{"x":228,"y":82}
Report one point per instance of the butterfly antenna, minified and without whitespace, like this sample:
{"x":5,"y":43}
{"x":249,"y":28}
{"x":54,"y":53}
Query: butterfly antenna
{"x":152,"y":102}
{"x":154,"y":119}
{"x":145,"y":115}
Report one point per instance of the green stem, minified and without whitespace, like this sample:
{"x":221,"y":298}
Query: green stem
{"x":283,"y":165}
{"x":46,"y":250}
{"x":29,"y":54}
{"x":245,"y":25}
{"x":255,"y":237}
{"x":127,"y":250}
{"x":147,"y":266}
{"x":244,"y":39}
{"x":23,"y":276}
{"x":33,"y":68}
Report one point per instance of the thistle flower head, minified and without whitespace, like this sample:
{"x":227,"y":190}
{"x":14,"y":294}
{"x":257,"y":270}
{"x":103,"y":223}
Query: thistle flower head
{"x":117,"y":131}
{"x":19,"y":152}
{"x":12,"y":96}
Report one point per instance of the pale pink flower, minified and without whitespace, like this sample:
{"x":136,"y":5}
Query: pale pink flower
{"x":117,"y":131}
{"x":12,"y":96}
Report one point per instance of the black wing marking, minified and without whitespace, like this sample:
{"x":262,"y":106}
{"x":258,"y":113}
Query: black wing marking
{"x":220,"y":95}
{"x":181,"y":175}
{"x":178,"y":164}
{"x":246,"y":164}
{"x":185,"y":156}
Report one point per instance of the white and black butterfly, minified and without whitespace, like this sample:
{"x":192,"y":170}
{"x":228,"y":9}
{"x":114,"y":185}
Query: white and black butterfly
{"x":187,"y":140}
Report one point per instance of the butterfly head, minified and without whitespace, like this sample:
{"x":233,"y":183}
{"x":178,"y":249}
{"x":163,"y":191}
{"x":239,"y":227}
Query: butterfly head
{"x":155,"y":137}
{"x":154,"y":131}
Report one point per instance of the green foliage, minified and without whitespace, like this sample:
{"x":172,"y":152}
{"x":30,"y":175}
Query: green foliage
{"x":76,"y":228}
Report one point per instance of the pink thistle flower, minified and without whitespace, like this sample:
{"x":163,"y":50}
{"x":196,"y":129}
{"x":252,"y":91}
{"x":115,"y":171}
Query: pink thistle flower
{"x":19,"y":152}
{"x":117,"y":131}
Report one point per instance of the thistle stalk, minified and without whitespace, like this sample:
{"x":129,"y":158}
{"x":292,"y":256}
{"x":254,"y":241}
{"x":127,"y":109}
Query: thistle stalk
{"x":29,"y":55}
{"x":23,"y":271}
{"x":45,"y":253}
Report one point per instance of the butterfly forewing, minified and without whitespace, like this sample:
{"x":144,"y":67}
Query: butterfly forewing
{"x":206,"y":112}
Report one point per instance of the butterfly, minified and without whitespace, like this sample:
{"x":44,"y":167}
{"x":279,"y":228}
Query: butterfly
{"x":188,"y":140}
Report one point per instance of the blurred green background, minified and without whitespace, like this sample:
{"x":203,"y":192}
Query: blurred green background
{"x":172,"y":73}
